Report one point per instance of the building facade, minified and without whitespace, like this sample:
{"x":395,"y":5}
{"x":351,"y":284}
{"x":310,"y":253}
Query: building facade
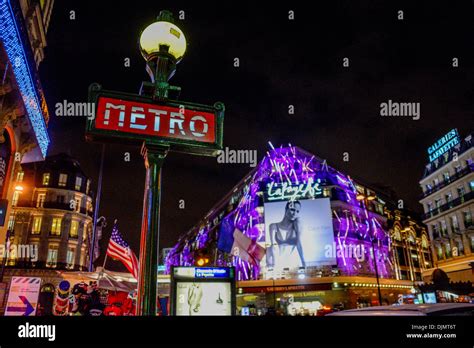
{"x":24,"y":114}
{"x":448,"y":203}
{"x":52,"y":211}
{"x":306,"y":236}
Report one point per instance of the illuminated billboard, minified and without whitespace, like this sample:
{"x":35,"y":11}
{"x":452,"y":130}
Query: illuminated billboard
{"x":298,"y":233}
{"x":203,"y":291}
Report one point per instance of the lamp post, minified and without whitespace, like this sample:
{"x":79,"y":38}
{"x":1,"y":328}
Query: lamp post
{"x":163,"y":45}
{"x":366,"y":199}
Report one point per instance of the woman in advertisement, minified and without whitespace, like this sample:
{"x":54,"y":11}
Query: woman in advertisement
{"x":285,"y":238}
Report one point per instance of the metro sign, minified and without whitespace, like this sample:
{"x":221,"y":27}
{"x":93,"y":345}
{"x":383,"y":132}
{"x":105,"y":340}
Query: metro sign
{"x":183,"y":126}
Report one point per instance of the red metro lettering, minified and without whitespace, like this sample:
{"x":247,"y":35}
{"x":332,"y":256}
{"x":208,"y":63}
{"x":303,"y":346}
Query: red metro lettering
{"x":155,"y":120}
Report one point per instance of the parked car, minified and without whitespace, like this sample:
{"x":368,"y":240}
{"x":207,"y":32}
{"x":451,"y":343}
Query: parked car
{"x":435,"y":309}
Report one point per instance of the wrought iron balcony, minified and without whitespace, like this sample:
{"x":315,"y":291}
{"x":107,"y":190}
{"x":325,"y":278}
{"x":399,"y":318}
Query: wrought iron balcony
{"x":463,"y":172}
{"x":451,"y":204}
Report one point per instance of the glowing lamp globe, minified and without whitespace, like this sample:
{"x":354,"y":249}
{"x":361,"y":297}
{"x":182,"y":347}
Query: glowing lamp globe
{"x":162,"y":37}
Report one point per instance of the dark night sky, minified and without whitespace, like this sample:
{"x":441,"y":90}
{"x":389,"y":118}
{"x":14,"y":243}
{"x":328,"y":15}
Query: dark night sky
{"x":282,"y":62}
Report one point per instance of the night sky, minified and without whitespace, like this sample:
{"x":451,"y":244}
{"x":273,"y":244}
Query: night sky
{"x":282,"y":62}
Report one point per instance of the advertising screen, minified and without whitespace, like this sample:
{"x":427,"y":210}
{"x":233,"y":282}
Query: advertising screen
{"x":429,"y":297}
{"x":298,"y":234}
{"x":203,"y":298}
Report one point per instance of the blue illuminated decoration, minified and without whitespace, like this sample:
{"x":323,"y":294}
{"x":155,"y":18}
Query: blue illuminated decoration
{"x":212,"y":272}
{"x":444,"y":144}
{"x":15,"y":49}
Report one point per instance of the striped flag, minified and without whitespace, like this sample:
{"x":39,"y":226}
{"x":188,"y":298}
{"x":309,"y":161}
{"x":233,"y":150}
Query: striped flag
{"x":119,"y":249}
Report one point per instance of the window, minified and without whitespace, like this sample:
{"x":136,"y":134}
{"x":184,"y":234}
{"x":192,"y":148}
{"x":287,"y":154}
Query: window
{"x":88,"y":185}
{"x":448,"y":250}
{"x":461,"y":191}
{"x":467,"y":218}
{"x":60,"y":199}
{"x":440,"y":252}
{"x":435,"y":181}
{"x":78,"y":183}
{"x":56,"y":227}
{"x":458,"y":168}
{"x":70,"y":258}
{"x":77,"y":205}
{"x":430,"y":206}
{"x":438,"y":202}
{"x":446,"y":176}
{"x":449,"y":197}
{"x":435,"y":228}
{"x":36,"y":229}
{"x":471,"y":185}
{"x":74,"y":228}
{"x":460,"y":247}
{"x":454,"y":223}
{"x":16,"y":195}
{"x":46,"y":177}
{"x":62,"y":179}
{"x":40,"y":200}
{"x":52,"y":259}
{"x":401,"y":256}
{"x":20,"y":176}
{"x":444,"y":229}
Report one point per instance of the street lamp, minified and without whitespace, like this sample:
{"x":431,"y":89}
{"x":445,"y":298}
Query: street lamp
{"x":366,"y":199}
{"x":163,"y":45}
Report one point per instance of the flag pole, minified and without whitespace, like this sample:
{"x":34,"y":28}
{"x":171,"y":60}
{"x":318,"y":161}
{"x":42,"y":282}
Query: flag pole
{"x":96,"y":210}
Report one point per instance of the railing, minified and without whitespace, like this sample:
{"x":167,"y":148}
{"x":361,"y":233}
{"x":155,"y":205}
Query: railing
{"x":463,"y":172}
{"x":449,"y":205}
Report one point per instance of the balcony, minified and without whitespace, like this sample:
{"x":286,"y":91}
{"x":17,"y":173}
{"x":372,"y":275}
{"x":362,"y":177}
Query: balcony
{"x":457,"y":176}
{"x":451,"y":204}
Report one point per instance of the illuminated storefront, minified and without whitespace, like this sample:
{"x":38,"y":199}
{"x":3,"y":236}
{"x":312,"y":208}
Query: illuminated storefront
{"x":304,"y":237}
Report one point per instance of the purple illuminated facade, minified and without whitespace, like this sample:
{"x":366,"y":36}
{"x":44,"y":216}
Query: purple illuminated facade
{"x":357,"y":215}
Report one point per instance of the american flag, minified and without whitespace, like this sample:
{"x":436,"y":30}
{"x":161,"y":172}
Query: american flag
{"x":120,"y":250}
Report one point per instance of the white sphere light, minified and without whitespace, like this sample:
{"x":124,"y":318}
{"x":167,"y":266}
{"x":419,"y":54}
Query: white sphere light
{"x":163,"y":34}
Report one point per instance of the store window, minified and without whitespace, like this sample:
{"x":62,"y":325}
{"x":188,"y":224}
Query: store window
{"x":40,"y":200}
{"x":46,"y":178}
{"x":62,"y":179}
{"x":71,"y":253}
{"x":78,"y":183}
{"x":52,"y":259}
{"x":74,"y":229}
{"x":56,"y":227}
{"x":36,"y":229}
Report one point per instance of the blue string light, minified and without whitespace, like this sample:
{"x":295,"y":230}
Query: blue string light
{"x":12,"y":42}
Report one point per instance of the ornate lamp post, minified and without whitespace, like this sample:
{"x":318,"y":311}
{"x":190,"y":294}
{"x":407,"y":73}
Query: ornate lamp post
{"x":162,"y":44}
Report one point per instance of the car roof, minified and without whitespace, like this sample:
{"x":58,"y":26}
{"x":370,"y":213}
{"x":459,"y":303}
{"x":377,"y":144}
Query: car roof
{"x":406,"y":309}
